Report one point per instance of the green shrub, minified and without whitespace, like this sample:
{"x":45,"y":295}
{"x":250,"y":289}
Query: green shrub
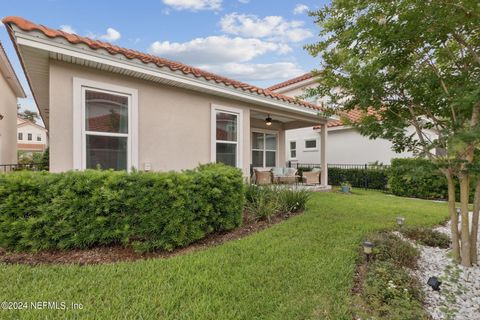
{"x":417,"y":178}
{"x":390,"y":292}
{"x":263,"y":202}
{"x":428,"y":237}
{"x":390,"y":248}
{"x":41,"y":210}
{"x":376,"y":178}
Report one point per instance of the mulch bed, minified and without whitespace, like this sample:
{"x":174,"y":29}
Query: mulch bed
{"x":111,"y":254}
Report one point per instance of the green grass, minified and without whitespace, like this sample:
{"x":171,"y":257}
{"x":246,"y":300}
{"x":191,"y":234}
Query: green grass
{"x":299,"y":269}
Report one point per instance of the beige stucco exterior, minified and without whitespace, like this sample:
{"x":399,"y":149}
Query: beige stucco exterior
{"x":8,"y":124}
{"x":174,"y":124}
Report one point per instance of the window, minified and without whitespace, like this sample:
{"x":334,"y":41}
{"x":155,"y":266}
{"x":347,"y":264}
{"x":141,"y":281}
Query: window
{"x":105,"y":129}
{"x":227,"y":136}
{"x":264,"y":149}
{"x":39,"y":137}
{"x":29,"y":137}
{"x":293,"y":149}
{"x":311,"y":144}
{"x":20,"y":136}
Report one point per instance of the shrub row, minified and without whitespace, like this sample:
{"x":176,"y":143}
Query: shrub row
{"x":360,"y":178}
{"x":41,"y":210}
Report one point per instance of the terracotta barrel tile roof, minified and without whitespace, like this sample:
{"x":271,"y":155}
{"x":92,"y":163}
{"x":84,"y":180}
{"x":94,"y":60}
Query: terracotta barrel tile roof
{"x":26,"y":25}
{"x":289,"y":82}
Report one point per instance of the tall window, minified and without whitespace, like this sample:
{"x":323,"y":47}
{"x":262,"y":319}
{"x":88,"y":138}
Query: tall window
{"x":106,"y":130}
{"x":264,"y":149}
{"x":293,"y":149}
{"x":20,"y":136}
{"x":29,"y":137}
{"x":227,"y":137}
{"x":39,"y":137}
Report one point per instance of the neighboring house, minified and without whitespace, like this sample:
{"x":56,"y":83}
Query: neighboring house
{"x":345,"y":144}
{"x":117,"y":108}
{"x":31,"y":137}
{"x":10,"y":90}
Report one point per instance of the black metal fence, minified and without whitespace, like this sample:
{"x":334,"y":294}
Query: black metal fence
{"x":368,"y":176}
{"x":17,"y":167}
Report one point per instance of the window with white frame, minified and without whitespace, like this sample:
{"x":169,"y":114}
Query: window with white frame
{"x":105,"y":129}
{"x":264,"y":149}
{"x":311,"y":144}
{"x":20,"y":136}
{"x":226,"y":122}
{"x":293,"y":149}
{"x":29,"y":136}
{"x":39,"y":137}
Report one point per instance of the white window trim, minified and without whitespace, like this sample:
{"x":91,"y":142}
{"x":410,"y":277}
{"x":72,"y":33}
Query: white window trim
{"x":213,"y":132}
{"x":290,"y":149}
{"x":310,"y":149}
{"x":275,"y":132}
{"x":79,"y":132}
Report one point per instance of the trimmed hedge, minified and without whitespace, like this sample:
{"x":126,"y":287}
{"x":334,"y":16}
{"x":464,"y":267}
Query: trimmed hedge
{"x":417,"y":178}
{"x":359,"y":178}
{"x":41,"y":210}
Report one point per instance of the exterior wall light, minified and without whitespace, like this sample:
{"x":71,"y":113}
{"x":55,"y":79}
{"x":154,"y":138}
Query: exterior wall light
{"x":434,"y":283}
{"x":268,"y":121}
{"x":400,"y":221}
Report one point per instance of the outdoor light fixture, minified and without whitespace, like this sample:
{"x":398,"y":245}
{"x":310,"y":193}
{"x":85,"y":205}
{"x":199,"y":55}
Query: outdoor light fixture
{"x":368,"y":249}
{"x":268,"y":121}
{"x":434,"y":283}
{"x":400,"y":221}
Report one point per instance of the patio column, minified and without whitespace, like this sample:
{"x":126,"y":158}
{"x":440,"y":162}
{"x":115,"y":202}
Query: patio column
{"x":323,"y":155}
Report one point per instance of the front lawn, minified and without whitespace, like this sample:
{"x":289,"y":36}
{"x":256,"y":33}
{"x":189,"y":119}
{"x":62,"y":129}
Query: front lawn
{"x":299,"y":269}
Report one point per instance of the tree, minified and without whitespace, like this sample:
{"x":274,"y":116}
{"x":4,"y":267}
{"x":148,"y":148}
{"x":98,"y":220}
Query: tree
{"x":29,"y":115}
{"x":411,"y":64}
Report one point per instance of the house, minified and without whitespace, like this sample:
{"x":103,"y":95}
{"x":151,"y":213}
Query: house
{"x":10,"y":90}
{"x":118,"y":108}
{"x":345,"y":144}
{"x":31,"y":137}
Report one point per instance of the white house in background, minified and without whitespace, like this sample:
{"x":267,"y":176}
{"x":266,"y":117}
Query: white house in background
{"x":31,"y":137}
{"x":345,"y":144}
{"x":10,"y":90}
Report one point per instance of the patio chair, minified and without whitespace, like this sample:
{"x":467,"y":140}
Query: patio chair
{"x":262,"y":177}
{"x":311,"y":177}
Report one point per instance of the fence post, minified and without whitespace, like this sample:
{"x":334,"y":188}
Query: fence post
{"x":366,"y":176}
{"x":289,"y":163}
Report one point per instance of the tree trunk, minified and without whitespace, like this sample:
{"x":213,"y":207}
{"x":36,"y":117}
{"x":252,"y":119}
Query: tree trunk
{"x":453,"y":217}
{"x":465,"y":233}
{"x":474,"y":233}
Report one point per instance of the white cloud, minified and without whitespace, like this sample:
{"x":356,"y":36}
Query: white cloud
{"x":256,"y":72}
{"x":194,"y":5}
{"x":111,"y":35}
{"x":300,"y":8}
{"x":67,"y":28}
{"x":270,"y":27}
{"x":216,"y":50}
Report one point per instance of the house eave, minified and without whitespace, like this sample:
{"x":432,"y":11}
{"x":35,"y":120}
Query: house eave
{"x":10,"y":76}
{"x":152,"y":72}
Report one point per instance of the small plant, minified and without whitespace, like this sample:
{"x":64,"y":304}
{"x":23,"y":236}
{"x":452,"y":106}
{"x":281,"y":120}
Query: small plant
{"x":389,"y":247}
{"x":428,"y":237}
{"x":345,"y":187}
{"x":292,"y":200}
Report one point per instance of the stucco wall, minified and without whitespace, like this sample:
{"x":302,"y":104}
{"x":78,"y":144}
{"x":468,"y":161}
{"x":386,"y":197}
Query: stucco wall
{"x":8,"y":125}
{"x":344,"y":147}
{"x":173,"y":123}
{"x":34,"y":130}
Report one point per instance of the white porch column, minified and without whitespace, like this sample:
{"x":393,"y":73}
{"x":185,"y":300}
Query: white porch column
{"x":323,"y":155}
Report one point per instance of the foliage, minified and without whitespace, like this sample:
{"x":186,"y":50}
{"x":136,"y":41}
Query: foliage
{"x":44,"y":163}
{"x":359,"y":178}
{"x":428,"y":237}
{"x":299,"y":269}
{"x":263,"y":202}
{"x":411,"y":69}
{"x":390,"y":248}
{"x":417,"y":178}
{"x":392,"y":293}
{"x":41,"y":210}
{"x":31,"y":116}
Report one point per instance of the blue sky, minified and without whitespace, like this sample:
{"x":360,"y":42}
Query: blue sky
{"x":256,"y":41}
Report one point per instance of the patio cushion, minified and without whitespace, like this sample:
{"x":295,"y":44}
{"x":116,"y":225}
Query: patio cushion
{"x":290,"y":172}
{"x":277,"y":172}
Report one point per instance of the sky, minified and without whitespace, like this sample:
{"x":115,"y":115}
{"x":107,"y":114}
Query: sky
{"x":256,"y":41}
